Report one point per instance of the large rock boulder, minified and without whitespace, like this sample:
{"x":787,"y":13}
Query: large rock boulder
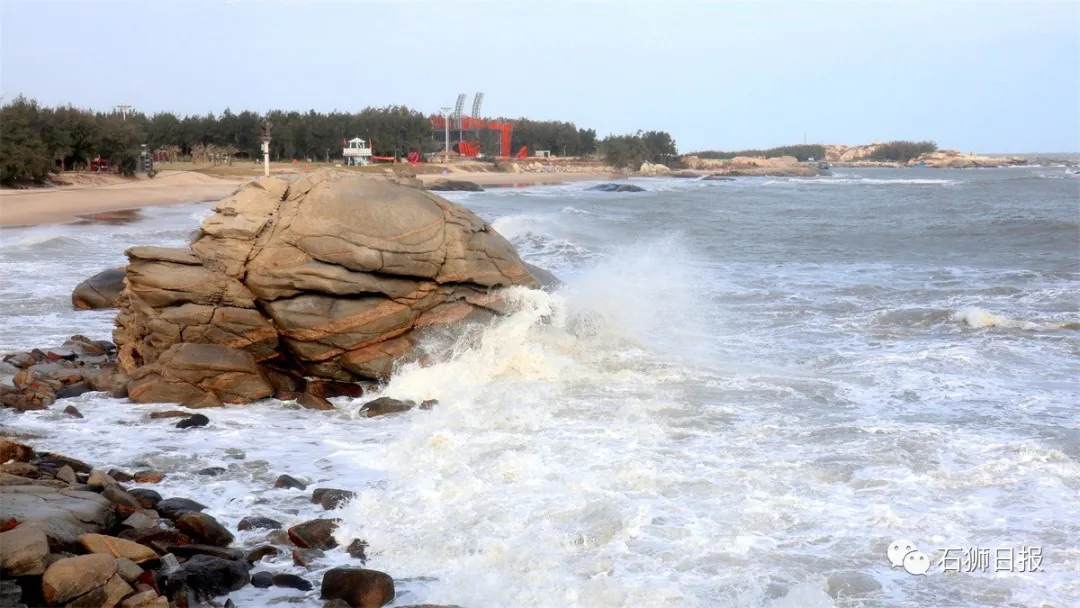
{"x":99,"y":291}
{"x":63,"y":515}
{"x":329,"y":276}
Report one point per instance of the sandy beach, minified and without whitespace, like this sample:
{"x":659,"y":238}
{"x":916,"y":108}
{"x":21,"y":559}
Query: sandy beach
{"x":68,"y":203}
{"x":65,"y":203}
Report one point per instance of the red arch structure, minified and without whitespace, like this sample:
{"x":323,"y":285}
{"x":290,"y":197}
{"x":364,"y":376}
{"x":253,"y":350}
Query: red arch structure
{"x":470,"y":123}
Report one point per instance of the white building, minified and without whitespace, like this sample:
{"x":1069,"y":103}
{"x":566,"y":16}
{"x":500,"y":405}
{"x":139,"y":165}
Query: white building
{"x":356,"y":152}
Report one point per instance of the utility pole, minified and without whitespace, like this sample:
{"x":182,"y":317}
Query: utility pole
{"x":265,"y":127}
{"x":124,"y":110}
{"x":446,"y":115}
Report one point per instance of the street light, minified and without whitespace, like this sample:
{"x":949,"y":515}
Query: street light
{"x":446,"y":116}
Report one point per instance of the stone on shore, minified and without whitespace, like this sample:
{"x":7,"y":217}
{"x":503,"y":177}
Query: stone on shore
{"x":205,"y":577}
{"x":23,"y":551}
{"x":63,"y":515}
{"x":314,"y":534}
{"x":358,"y":587}
{"x":330,"y":277}
{"x":99,"y":291}
{"x":453,"y":185}
{"x":78,"y":577}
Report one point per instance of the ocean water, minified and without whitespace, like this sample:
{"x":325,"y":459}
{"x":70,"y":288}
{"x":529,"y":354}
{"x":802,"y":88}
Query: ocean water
{"x":743,"y":394}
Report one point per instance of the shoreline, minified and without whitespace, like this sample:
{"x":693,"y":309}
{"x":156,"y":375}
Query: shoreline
{"x":64,"y":204}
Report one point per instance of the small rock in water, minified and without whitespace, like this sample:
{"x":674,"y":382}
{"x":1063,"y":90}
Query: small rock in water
{"x":336,"y":604}
{"x":211,"y":471}
{"x":279,"y":537}
{"x":289,"y":482}
{"x":314,"y":534}
{"x":236,"y":453}
{"x":291,"y":581}
{"x":258,"y":523}
{"x":124,"y":502}
{"x":314,"y":402}
{"x":357,"y":550}
{"x":358,"y":587}
{"x":187,"y":551}
{"x":331,"y":498}
{"x":195,"y":421}
{"x":74,"y":390}
{"x":72,"y":411}
{"x":428,"y":404}
{"x":175,"y":507}
{"x":260,"y":552}
{"x":262,"y":580}
{"x":148,"y":476}
{"x":169,"y":414}
{"x":306,"y":557}
{"x":385,"y":405}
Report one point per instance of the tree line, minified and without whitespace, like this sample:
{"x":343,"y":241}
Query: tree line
{"x":902,"y":151}
{"x":633,"y":149}
{"x":36,"y":140}
{"x":803,"y":152}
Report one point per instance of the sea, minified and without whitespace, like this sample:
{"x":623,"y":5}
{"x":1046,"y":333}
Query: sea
{"x":743,"y":394}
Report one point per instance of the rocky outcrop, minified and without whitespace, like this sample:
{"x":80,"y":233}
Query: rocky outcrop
{"x":952,"y":159}
{"x":617,"y":188}
{"x":327,"y":276}
{"x":783,"y":166}
{"x":453,"y":185}
{"x":653,"y":170}
{"x":99,"y":291}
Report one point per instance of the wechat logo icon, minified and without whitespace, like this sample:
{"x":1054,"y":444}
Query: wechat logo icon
{"x":904,"y":554}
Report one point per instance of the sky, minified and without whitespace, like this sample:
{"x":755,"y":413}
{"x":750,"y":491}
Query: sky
{"x":989,"y":77}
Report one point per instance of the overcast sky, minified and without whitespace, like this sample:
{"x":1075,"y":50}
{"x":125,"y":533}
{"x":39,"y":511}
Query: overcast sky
{"x":979,"y":76}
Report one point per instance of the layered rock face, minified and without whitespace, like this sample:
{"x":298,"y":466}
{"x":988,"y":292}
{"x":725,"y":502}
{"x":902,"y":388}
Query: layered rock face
{"x":327,"y":276}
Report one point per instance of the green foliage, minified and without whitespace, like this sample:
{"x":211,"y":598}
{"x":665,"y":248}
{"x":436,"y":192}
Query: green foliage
{"x":903,"y":151}
{"x":632,"y":150}
{"x":803,"y":152}
{"x":24,"y":156}
{"x":560,"y":138}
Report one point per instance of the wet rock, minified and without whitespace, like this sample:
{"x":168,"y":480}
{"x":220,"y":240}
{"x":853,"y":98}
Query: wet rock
{"x":211,"y":471}
{"x":358,"y":587}
{"x":60,"y":354}
{"x":13,"y":450}
{"x":23,"y":551}
{"x":337,"y":604}
{"x":306,"y":557}
{"x":99,"y":291}
{"x":99,"y":478}
{"x":125,"y":503}
{"x":22,"y":469}
{"x":52,"y":459}
{"x":121,"y":476}
{"x":74,"y":577}
{"x":358,"y":550}
{"x":289,"y":482}
{"x":20,"y":360}
{"x":158,"y":539}
{"x":169,"y":414}
{"x":453,"y":185}
{"x":128,"y":570}
{"x":187,"y":551}
{"x":148,"y":499}
{"x":331,"y":498}
{"x":64,"y":515}
{"x":617,"y":188}
{"x":259,"y":553}
{"x":145,"y":599}
{"x":329,"y":389}
{"x":235,"y":453}
{"x":205,"y":577}
{"x":200,"y":375}
{"x":385,"y":405}
{"x":117,"y":547}
{"x":66,"y":475}
{"x":142,"y":520}
{"x":291,"y":581}
{"x":258,"y":523}
{"x":205,"y":528}
{"x":429,"y":404}
{"x":262,"y":580}
{"x":278,"y":537}
{"x":313,"y":402}
{"x":314,"y":534}
{"x":148,"y":476}
{"x":195,"y":421}
{"x":173,"y":508}
{"x":74,"y":390}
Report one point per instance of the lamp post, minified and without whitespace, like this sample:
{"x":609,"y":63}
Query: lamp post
{"x":446,"y":116}
{"x":265,"y":125}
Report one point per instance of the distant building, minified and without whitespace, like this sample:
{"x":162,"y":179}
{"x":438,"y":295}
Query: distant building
{"x":356,"y":152}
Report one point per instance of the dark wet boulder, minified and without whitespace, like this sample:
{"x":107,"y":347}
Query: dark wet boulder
{"x":385,"y":405}
{"x":175,"y":507}
{"x":148,"y":499}
{"x":288,"y":482}
{"x":617,"y":188}
{"x":314,"y":534}
{"x":193,"y":422}
{"x":331,"y":498}
{"x":100,"y":291}
{"x":453,"y":185}
{"x":358,"y":587}
{"x":313,"y":402}
{"x":258,"y":523}
{"x":291,"y":581}
{"x":204,"y":528}
{"x":205,"y":577}
{"x":262,"y":580}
